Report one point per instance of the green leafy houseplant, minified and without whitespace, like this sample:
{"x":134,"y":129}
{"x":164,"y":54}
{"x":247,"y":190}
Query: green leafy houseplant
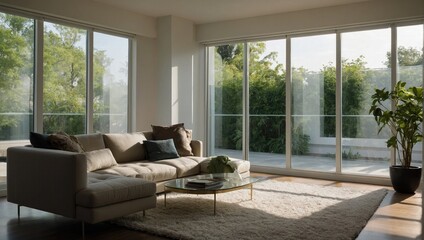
{"x":404,"y":122}
{"x":220,"y":164}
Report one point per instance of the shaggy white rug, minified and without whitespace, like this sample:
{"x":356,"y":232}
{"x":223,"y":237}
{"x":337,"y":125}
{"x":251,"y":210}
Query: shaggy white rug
{"x":279,"y":210}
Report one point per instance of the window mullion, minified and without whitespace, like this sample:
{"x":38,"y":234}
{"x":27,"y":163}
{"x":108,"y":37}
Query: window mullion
{"x":246,"y":102}
{"x":89,"y":83}
{"x":394,"y":78}
{"x":338,"y":103}
{"x":288,"y":102}
{"x":38,"y":75}
{"x":132,"y":84}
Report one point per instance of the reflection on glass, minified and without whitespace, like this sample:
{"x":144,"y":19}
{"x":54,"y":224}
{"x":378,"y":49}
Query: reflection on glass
{"x":226,"y":92}
{"x":364,"y":67}
{"x":110,"y":83}
{"x":267,"y":98}
{"x":410,"y":67}
{"x":313,"y":103}
{"x":64,"y":90}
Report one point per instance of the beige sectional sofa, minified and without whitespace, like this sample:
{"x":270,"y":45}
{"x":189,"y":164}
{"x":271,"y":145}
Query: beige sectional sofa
{"x":59,"y":181}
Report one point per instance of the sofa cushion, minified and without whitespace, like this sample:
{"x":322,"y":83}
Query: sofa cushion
{"x":160,"y":149}
{"x":91,"y":142}
{"x":178,"y":133}
{"x":106,"y":189}
{"x":185,"y":166}
{"x":146,"y":170}
{"x":126,"y":147}
{"x":65,"y":142}
{"x":99,"y":159}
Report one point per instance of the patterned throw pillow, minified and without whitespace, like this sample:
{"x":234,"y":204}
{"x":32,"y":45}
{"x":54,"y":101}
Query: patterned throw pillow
{"x":177,"y":132}
{"x":63,"y":141}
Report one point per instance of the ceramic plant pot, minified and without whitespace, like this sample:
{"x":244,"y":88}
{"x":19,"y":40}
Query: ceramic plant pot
{"x":405,"y":180}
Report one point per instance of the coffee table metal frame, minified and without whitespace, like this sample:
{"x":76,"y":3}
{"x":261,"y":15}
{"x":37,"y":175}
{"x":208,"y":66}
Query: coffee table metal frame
{"x":232,"y":182}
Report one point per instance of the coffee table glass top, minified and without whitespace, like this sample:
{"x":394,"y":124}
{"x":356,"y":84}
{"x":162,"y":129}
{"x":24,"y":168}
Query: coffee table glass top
{"x":229,"y":181}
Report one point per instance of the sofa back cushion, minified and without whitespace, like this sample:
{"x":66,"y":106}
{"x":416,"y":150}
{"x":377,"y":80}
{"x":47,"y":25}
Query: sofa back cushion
{"x":126,"y":147}
{"x":182,"y":137}
{"x":91,"y":142}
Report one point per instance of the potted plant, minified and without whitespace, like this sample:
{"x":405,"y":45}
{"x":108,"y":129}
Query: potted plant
{"x":220,"y":164}
{"x":404,"y":121}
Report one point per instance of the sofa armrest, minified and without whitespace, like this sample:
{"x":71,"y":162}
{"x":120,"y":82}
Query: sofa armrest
{"x":45,"y":179}
{"x":197,"y":148}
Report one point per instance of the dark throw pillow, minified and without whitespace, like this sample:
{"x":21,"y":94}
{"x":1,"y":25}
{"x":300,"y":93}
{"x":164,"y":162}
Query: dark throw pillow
{"x":39,"y":140}
{"x":63,"y":141}
{"x":178,"y":133}
{"x":160,"y":149}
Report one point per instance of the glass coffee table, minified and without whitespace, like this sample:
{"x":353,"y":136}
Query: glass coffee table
{"x":229,"y":182}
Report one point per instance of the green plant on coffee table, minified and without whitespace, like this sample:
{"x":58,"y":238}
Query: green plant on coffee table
{"x":220,"y":164}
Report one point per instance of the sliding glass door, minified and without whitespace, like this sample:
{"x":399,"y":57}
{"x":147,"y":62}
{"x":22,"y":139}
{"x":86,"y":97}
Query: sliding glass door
{"x":311,"y":99}
{"x":410,"y":46}
{"x":313,"y":107}
{"x":226,"y":64}
{"x":267,"y":98}
{"x":364,"y":68}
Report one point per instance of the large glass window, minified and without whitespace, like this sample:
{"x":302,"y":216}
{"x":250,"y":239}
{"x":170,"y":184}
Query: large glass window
{"x":267,"y":97}
{"x":64,"y":76}
{"x":226,"y":91}
{"x":364,"y":54}
{"x":16,"y":77}
{"x":16,"y":85}
{"x":313,"y":102}
{"x":110,"y":83}
{"x":64,"y":79}
{"x":248,"y":105}
{"x":410,"y":67}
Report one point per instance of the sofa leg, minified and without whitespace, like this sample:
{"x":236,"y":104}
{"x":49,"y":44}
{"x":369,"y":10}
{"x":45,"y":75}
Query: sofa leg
{"x":144,"y":213}
{"x":19,"y":212}
{"x":83,"y":230}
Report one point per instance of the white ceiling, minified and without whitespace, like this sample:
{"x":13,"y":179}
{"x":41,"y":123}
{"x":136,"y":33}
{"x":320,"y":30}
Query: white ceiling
{"x":206,"y":11}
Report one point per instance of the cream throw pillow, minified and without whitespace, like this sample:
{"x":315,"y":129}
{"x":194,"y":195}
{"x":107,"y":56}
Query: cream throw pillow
{"x":99,"y":159}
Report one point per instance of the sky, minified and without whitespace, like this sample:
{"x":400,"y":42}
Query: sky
{"x":312,"y":52}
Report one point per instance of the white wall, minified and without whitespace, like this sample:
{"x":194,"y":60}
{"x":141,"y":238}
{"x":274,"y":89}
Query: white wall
{"x":179,"y":81}
{"x":145,"y":86}
{"x":313,"y":19}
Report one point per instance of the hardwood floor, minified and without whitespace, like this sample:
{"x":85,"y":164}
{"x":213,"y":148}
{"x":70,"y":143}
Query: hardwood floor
{"x":398,"y":217}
